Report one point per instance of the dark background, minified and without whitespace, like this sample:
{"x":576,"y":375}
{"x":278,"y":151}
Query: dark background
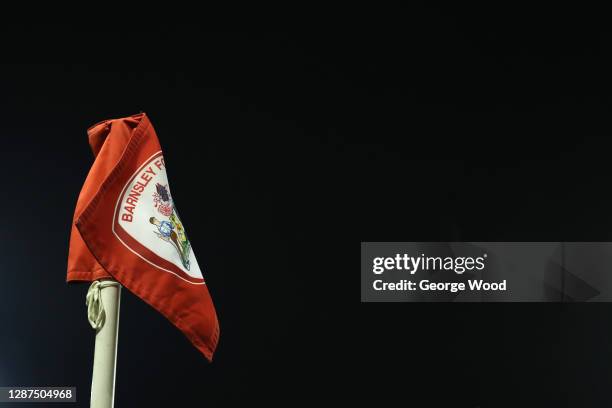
{"x":285,"y":151}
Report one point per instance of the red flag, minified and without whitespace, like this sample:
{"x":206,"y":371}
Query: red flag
{"x":126,"y":227}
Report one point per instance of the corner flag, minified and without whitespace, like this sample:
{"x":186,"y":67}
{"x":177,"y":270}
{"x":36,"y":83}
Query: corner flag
{"x":126,"y":227}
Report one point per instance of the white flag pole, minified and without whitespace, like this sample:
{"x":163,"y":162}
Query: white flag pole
{"x":103,"y":302}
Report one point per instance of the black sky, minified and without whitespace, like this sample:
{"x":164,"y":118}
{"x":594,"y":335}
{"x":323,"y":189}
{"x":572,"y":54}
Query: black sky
{"x":285,"y":151}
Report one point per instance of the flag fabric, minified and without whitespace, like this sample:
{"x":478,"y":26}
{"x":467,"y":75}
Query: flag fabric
{"x":126,"y":227}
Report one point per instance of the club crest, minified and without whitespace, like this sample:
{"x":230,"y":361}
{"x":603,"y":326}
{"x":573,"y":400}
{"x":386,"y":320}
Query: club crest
{"x":147,"y":222}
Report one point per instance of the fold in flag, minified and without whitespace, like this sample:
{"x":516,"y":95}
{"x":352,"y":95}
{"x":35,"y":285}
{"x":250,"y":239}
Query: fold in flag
{"x":126,"y":227}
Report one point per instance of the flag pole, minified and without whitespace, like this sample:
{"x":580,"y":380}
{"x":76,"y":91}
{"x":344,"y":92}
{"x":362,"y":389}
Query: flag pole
{"x":103,"y":303}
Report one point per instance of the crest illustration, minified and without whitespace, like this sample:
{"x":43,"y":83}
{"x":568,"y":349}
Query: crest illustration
{"x":171,"y":229}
